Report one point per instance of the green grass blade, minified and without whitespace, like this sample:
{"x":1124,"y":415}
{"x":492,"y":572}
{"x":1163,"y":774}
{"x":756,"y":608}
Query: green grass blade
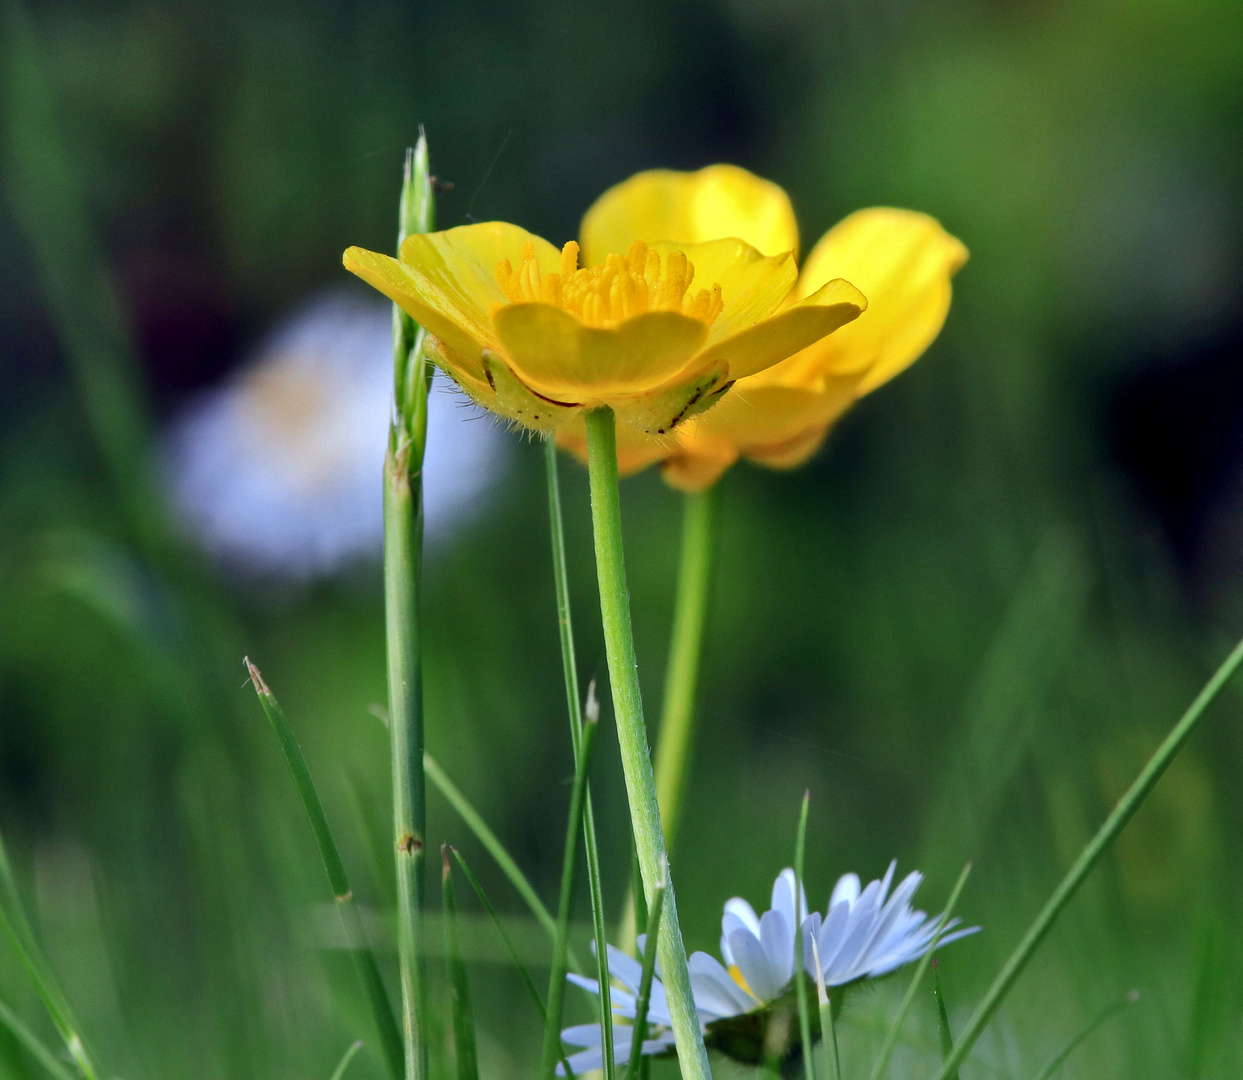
{"x":891,"y":1040}
{"x":474,"y":821}
{"x":17,"y":927}
{"x":338,"y":880}
{"x":943,"y":1020}
{"x":645,"y":980}
{"x":828,"y":1030}
{"x":463,"y":1016}
{"x":556,"y":977}
{"x":800,"y":979}
{"x":1090,"y":856}
{"x":1109,"y":1011}
{"x":569,"y":665}
{"x":33,"y":1044}
{"x":514,"y":954}
{"x":346,"y":1058}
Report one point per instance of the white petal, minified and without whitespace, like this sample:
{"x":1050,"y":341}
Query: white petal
{"x":846,"y":890}
{"x":783,"y":898}
{"x":752,"y":961}
{"x":625,"y":968}
{"x":777,"y":937}
{"x":714,"y":988}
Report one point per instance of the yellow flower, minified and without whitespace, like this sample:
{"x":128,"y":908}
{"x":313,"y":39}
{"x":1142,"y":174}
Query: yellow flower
{"x":657,"y":333}
{"x":901,"y":260}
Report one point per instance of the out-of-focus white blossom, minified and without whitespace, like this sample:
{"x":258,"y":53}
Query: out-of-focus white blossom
{"x":278,"y":472}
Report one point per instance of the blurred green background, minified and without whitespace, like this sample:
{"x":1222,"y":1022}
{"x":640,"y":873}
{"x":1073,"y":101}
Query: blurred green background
{"x":963,"y":626}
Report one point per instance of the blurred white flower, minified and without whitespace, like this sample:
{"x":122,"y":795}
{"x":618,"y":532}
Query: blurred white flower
{"x":867,"y":933}
{"x":279,"y":471}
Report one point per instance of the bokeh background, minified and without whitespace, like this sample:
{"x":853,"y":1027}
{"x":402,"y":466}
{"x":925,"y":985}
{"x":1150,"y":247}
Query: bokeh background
{"x":963,"y":626}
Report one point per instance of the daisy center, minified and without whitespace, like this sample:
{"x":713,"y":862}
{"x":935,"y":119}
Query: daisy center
{"x":620,"y":288}
{"x":736,"y":974}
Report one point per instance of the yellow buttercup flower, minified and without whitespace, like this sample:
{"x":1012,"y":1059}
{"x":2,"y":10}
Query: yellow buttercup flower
{"x":657,"y":333}
{"x":902,"y":261}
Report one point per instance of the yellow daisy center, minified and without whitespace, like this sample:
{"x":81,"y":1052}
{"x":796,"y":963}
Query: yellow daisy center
{"x":620,"y":288}
{"x":736,"y":974}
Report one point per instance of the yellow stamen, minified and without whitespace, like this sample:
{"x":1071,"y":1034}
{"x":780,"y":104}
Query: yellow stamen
{"x":737,"y":976}
{"x":618,"y":289}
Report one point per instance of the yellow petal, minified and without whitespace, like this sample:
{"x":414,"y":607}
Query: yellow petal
{"x":755,"y":417}
{"x":792,"y":453}
{"x":800,"y":325}
{"x":753,"y":286}
{"x":447,"y":282}
{"x":690,"y":208}
{"x":902,"y":261}
{"x":558,"y":356}
{"x":698,"y":462}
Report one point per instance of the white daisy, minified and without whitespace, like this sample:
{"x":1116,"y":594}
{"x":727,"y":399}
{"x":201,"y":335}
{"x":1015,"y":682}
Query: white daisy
{"x":278,"y":472}
{"x":866,"y":933}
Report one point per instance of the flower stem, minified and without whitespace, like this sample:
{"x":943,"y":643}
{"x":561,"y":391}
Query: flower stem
{"x":677,"y":716}
{"x":569,"y":665}
{"x":1089,"y":857}
{"x":800,"y":976}
{"x":644,"y":1000}
{"x":632,"y":735}
{"x":403,"y":559}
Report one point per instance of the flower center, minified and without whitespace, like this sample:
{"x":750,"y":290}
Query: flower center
{"x":736,"y":974}
{"x":618,"y":289}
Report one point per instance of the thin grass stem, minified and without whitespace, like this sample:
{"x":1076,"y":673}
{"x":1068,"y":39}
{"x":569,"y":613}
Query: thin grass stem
{"x":1090,"y":856}
{"x":338,"y":880}
{"x":463,"y":1016}
{"x":891,"y":1040}
{"x":346,"y":1058}
{"x":33,"y":1044}
{"x":569,"y":665}
{"x":632,"y":735}
{"x":556,"y":977}
{"x":800,"y":978}
{"x":1108,"y":1012}
{"x":828,"y":1030}
{"x":403,"y":544}
{"x":39,"y":970}
{"x":944,"y":1031}
{"x":508,"y":942}
{"x":645,"y":982}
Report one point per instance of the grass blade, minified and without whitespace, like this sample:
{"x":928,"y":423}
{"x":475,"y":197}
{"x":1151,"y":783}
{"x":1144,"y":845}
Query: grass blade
{"x":1110,"y":1010}
{"x":569,"y":665}
{"x":891,"y":1040}
{"x":943,"y":1020}
{"x":556,"y":977}
{"x":17,"y":926}
{"x":523,"y":973}
{"x":463,"y":1017}
{"x":474,"y":821}
{"x":645,"y":980}
{"x":800,"y":979}
{"x":1090,"y":856}
{"x":33,"y":1044}
{"x":338,"y":880}
{"x":828,"y":1029}
{"x":346,"y":1058}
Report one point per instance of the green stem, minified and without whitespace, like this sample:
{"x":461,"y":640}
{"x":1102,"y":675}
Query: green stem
{"x":569,"y":666}
{"x":632,"y":735}
{"x":828,"y":1030}
{"x":403,"y":566}
{"x":1089,"y":857}
{"x":644,"y":1000}
{"x":338,"y":880}
{"x":556,"y":977}
{"x":402,"y":528}
{"x":677,"y":715}
{"x":943,"y":1020}
{"x":800,"y":978}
